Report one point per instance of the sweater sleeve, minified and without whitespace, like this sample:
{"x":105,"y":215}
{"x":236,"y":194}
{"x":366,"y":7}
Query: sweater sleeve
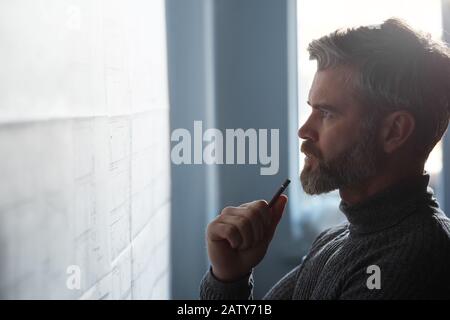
{"x":284,"y":289}
{"x":213,"y":289}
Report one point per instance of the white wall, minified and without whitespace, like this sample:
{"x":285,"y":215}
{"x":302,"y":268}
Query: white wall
{"x":84,"y":149}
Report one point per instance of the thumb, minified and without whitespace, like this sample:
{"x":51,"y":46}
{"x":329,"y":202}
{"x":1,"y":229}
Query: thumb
{"x":276,"y":212}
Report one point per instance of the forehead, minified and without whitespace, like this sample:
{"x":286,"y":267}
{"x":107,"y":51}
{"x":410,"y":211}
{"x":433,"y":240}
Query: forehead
{"x":334,"y":86}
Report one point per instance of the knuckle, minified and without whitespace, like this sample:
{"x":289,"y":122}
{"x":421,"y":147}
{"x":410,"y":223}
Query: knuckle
{"x":227,"y":210}
{"x":261,"y":204}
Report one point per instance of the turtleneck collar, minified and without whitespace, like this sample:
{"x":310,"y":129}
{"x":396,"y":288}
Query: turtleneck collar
{"x":390,"y":206}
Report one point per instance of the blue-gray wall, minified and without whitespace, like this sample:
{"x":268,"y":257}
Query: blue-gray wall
{"x":252,"y":92}
{"x":228,"y":66}
{"x":187,"y":83}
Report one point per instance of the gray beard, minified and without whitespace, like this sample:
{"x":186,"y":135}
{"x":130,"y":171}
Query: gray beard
{"x":351,"y":167}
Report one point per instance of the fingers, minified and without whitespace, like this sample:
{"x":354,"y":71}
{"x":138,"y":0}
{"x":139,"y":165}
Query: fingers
{"x":223,"y":231}
{"x":276,"y":214}
{"x":244,"y":228}
{"x":249,"y":224}
{"x":279,"y":206}
{"x":271,"y":216}
{"x":250,"y":221}
{"x":261,"y":207}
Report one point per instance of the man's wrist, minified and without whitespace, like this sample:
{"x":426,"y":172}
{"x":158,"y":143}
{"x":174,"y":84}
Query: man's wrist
{"x":228,"y":278}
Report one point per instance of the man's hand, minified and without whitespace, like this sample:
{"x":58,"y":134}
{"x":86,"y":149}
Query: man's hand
{"x":238,"y":238}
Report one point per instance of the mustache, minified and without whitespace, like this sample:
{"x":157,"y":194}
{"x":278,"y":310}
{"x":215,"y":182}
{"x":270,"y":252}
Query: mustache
{"x":308,"y":148}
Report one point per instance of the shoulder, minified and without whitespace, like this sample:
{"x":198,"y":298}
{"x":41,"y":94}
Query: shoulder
{"x":429,"y":233}
{"x":420,"y":247}
{"x":439,"y":226}
{"x":411,"y":263}
{"x":330,"y":234}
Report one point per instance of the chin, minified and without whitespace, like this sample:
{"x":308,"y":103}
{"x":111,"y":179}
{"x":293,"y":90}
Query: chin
{"x":314,"y":184}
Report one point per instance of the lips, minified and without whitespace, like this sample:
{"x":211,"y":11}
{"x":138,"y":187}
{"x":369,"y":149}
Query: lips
{"x":306,"y":149}
{"x":308,"y":154}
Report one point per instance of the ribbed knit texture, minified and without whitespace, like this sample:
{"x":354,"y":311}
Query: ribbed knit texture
{"x":401,"y":230}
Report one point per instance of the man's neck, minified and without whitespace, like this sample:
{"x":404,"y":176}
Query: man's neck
{"x":358,"y":193}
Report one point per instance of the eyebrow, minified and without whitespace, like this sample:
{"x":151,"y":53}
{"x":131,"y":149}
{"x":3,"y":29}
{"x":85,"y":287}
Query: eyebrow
{"x":324,"y":106}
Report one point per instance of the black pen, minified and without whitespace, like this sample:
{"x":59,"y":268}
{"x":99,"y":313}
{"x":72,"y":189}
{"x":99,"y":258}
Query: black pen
{"x":279,"y":192}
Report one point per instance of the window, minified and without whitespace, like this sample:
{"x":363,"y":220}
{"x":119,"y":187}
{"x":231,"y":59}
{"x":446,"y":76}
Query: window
{"x":320,"y":17}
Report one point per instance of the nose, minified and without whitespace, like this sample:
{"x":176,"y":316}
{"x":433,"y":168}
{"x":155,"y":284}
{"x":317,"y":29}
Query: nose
{"x":307,"y":132}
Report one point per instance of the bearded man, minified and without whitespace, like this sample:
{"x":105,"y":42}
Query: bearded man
{"x":380,"y":103}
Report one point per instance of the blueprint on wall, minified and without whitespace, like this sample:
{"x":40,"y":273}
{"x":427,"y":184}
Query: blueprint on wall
{"x":84,"y":144}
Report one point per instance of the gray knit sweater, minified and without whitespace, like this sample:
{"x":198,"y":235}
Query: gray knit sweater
{"x":401,"y":230}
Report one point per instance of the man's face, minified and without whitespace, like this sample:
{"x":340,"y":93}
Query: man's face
{"x":341,"y":147}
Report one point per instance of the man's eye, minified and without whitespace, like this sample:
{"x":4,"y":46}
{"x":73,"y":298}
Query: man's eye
{"x":325,"y":114}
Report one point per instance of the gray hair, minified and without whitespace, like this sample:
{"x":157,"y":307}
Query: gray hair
{"x":397,"y":68}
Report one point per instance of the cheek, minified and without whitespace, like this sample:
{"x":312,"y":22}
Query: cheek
{"x":334,"y":142}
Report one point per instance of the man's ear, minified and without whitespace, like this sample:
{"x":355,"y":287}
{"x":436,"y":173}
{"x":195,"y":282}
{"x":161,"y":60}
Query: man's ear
{"x":396,"y":128}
